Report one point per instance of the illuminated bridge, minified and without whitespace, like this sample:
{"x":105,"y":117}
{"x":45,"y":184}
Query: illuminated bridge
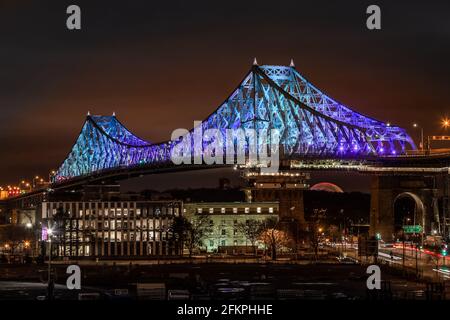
{"x":311,"y":125}
{"x":316,"y":133}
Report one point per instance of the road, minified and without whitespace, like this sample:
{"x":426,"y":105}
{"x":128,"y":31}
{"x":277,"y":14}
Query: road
{"x":432,"y":265}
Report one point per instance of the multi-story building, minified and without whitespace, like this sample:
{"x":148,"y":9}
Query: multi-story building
{"x":111,"y":229}
{"x":224,"y":219}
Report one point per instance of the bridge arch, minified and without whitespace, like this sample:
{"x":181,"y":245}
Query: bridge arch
{"x":416,"y":217}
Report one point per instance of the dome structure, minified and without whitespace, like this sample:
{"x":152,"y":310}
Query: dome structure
{"x":326,"y":186}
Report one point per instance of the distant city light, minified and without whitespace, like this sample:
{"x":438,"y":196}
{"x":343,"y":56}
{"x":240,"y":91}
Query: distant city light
{"x":445,"y":123}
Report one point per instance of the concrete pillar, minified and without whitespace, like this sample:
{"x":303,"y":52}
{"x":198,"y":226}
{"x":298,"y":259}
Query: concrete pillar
{"x":384,"y":192}
{"x":381,"y":208}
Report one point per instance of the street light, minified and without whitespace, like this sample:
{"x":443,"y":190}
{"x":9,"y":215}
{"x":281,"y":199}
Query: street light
{"x":445,"y":123}
{"x":49,"y":280}
{"x":36,"y":178}
{"x":415,"y":125}
{"x":50,"y":175}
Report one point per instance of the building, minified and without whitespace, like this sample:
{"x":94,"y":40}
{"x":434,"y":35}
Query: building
{"x":224,"y":218}
{"x":104,"y":229}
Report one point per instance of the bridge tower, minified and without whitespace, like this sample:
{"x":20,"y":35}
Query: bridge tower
{"x":284,"y":186}
{"x":428,"y":193}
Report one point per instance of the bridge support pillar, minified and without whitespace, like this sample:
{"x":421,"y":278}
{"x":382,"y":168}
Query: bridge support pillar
{"x":386,"y":190}
{"x":284,"y":187}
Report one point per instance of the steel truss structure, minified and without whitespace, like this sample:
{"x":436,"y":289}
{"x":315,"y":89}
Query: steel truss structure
{"x":310,"y":124}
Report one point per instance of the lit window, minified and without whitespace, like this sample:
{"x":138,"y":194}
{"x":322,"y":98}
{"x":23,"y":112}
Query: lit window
{"x":247,"y":210}
{"x":258,"y":210}
{"x":211,"y":210}
{"x":235,"y":210}
{"x":270,"y":210}
{"x":199,"y":210}
{"x":222,"y":210}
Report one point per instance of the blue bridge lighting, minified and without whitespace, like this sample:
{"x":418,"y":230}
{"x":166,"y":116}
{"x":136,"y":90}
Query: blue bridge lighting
{"x":270,"y":97}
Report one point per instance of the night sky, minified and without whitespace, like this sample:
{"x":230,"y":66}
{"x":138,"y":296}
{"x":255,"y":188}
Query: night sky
{"x":162,"y":65}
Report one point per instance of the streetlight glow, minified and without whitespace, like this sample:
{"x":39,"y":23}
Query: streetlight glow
{"x":416,"y":126}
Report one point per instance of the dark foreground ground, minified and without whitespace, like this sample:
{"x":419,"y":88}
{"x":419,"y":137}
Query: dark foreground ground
{"x":205,"y":282}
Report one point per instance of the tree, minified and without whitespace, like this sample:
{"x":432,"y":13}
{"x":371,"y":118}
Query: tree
{"x":178,"y":229}
{"x":14,"y":235}
{"x":314,"y":230}
{"x":59,"y":227}
{"x":191,"y":233}
{"x":251,"y":229}
{"x":273,"y":238}
{"x":334,"y":232}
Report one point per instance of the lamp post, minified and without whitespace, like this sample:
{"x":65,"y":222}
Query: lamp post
{"x":49,"y":279}
{"x":51,"y":175}
{"x":415,"y":125}
{"x":36,"y":178}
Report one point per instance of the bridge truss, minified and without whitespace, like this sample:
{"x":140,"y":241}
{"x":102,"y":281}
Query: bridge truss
{"x":310,"y":124}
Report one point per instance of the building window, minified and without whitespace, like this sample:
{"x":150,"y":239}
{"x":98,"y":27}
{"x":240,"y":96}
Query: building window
{"x":211,"y":210}
{"x":235,"y":232}
{"x":224,"y":232}
{"x":222,"y":210}
{"x":211,"y":243}
{"x":235,"y":242}
{"x":247,"y":210}
{"x":223,"y":242}
{"x":235,"y":222}
{"x":199,"y":210}
{"x":258,"y":210}
{"x":270,"y":210}
{"x":235,"y":210}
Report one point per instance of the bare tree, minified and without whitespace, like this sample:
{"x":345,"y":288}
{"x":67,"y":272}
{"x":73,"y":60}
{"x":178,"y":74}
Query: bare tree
{"x":251,"y":229}
{"x":314,"y":230}
{"x":273,"y":238}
